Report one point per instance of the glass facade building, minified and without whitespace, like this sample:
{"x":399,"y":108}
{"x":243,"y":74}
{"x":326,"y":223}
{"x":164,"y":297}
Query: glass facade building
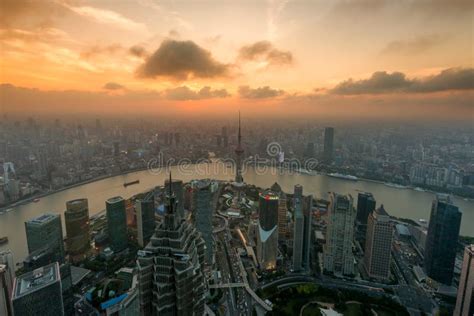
{"x":117,"y":223}
{"x":442,"y":239}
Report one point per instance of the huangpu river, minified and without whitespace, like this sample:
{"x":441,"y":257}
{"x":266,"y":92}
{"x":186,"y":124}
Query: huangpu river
{"x":399,"y":202}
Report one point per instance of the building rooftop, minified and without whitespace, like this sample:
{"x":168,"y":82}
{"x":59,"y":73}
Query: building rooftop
{"x":76,"y":201}
{"x":402,"y":230}
{"x":269,"y":195}
{"x":33,"y":281}
{"x":78,"y":274}
{"x":470,"y":248}
{"x":42,"y":219}
{"x":381,"y":211}
{"x":443,"y":197}
{"x":115,"y":199}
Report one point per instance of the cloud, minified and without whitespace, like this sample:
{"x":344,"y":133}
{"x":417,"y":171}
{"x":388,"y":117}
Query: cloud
{"x":265,"y":51}
{"x":98,"y":50}
{"x":185,"y":93}
{"x":413,"y":46}
{"x":138,"y":51}
{"x":107,"y":17}
{"x":12,"y":11}
{"x":383,"y":82}
{"x":113,"y":86}
{"x":182,"y":60}
{"x":246,"y":92}
{"x":379,"y":82}
{"x":173,"y":33}
{"x":448,"y":79}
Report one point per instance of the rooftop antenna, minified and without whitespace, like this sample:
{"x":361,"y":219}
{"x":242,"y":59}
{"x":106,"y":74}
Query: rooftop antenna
{"x":170,"y":197}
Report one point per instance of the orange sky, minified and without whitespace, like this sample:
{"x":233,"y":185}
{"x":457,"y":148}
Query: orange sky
{"x":374,"y":58}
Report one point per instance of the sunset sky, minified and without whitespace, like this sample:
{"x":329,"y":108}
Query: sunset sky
{"x":337,"y":58}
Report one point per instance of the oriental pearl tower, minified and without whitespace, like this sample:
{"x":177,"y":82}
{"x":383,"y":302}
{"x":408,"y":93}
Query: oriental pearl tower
{"x":238,"y":184}
{"x":239,"y":151}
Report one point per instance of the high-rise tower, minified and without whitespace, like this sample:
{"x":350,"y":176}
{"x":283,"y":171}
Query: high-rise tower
{"x":45,"y":231}
{"x":338,"y":257}
{"x":239,"y":151}
{"x":117,"y":223}
{"x":171,"y":281}
{"x":465,"y":300}
{"x":38,"y":292}
{"x":203,"y":215}
{"x":378,"y":245}
{"x":267,"y":238}
{"x":77,"y":228}
{"x":328,"y":144}
{"x":442,"y":239}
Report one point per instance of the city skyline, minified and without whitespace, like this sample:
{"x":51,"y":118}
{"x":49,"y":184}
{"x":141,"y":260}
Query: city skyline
{"x":269,"y":157}
{"x":195,"y":58}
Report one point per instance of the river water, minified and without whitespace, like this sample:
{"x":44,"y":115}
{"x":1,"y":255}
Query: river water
{"x":397,"y":202}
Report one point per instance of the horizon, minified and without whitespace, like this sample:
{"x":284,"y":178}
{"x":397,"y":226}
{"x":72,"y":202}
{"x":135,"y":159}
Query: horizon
{"x":335,"y":60}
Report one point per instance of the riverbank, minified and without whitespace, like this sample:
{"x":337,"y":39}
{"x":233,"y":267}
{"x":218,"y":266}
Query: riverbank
{"x":388,"y":184}
{"x":31,"y":199}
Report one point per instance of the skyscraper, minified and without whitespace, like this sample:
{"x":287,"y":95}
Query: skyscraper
{"x":44,"y":257}
{"x":145,"y":209}
{"x":338,"y":256}
{"x":203,"y":215}
{"x":5,"y":290}
{"x":442,"y":239}
{"x":77,"y":228}
{"x":46,"y":231}
{"x":38,"y":293}
{"x":302,"y":229}
{"x":6,"y":258}
{"x":178,"y":191}
{"x":378,"y":245}
{"x":298,"y":234}
{"x":267,"y":238}
{"x":117,"y":223}
{"x":171,"y":280}
{"x":282,"y":210}
{"x":465,"y":299}
{"x":365,"y":206}
{"x":239,"y":152}
{"x":328,"y":144}
{"x":307,"y":208}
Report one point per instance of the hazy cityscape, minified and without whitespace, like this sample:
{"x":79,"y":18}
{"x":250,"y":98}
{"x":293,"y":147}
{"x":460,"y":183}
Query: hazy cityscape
{"x":236,"y":158}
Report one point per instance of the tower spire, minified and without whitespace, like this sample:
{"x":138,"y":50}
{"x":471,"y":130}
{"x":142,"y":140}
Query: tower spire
{"x":170,"y":192}
{"x":240,"y":135}
{"x":239,"y":151}
{"x":170,"y":197}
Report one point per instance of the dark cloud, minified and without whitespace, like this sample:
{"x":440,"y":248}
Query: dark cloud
{"x":259,"y":93}
{"x":413,"y":46}
{"x":185,"y":93}
{"x":113,"y":86}
{"x":379,"y":82}
{"x":265,"y":51}
{"x":448,"y":79}
{"x":138,"y":51}
{"x":383,"y":82}
{"x":182,"y":60}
